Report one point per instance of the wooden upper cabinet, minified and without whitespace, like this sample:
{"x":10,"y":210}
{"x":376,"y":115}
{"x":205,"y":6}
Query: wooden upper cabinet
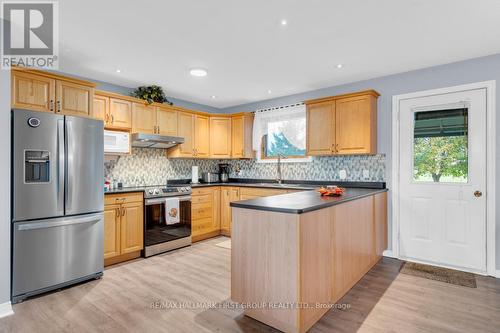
{"x":241,"y":136}
{"x":120,"y":114}
{"x":101,"y":108}
{"x":201,"y":136}
{"x":48,"y":92}
{"x":185,"y":129}
{"x":320,"y":128}
{"x":33,"y":92}
{"x":343,"y":125}
{"x":143,"y":118}
{"x":220,"y":137}
{"x":74,"y":99}
{"x":166,"y":121}
{"x":356,"y":131}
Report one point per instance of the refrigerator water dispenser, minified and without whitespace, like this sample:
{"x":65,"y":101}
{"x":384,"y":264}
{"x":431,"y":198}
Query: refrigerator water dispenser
{"x":36,"y":166}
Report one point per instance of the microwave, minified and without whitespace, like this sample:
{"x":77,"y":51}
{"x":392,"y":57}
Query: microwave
{"x":116,"y":142}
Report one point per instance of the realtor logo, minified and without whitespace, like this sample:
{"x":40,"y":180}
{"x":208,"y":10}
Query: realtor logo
{"x":30,"y":35}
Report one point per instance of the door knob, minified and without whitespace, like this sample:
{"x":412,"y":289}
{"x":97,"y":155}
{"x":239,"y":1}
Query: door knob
{"x":478,"y":194}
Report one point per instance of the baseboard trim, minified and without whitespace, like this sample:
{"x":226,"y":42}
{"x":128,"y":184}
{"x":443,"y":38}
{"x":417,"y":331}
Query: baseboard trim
{"x":388,"y":253}
{"x":6,"y":309}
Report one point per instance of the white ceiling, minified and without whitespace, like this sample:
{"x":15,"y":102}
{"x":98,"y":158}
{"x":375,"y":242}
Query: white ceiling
{"x":247,"y":51}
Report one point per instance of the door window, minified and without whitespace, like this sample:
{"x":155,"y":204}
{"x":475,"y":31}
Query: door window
{"x":440,"y":146}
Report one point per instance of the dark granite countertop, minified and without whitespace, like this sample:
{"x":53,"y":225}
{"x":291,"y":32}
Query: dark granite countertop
{"x":126,"y":190}
{"x":260,"y":183}
{"x":303,"y":202}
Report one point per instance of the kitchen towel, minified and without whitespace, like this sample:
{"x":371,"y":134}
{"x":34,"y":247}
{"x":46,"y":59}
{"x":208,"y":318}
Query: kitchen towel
{"x":172,"y":211}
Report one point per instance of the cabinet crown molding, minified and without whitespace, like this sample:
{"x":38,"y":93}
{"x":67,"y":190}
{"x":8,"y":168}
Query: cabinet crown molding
{"x":333,"y":98}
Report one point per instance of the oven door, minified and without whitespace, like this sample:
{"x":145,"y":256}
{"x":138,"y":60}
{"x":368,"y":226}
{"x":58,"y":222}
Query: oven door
{"x":157,"y":231}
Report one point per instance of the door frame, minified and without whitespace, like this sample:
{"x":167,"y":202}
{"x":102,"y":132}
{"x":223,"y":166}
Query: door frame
{"x":490,"y":87}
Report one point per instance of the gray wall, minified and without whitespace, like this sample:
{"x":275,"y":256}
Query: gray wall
{"x":469,"y":71}
{"x":5,"y":186}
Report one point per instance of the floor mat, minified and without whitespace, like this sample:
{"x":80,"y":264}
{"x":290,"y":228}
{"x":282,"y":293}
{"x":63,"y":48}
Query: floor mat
{"x":439,"y":274}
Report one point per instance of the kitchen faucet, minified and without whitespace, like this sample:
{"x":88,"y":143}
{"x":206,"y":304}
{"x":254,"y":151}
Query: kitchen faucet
{"x":279,"y":179}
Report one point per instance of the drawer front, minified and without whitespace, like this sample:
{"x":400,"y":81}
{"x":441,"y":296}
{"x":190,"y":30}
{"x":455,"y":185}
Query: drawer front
{"x":116,"y":199}
{"x":200,"y":205}
{"x":260,"y":192}
{"x":202,"y":191}
{"x":201,"y":226}
{"x":201,"y":213}
{"x":248,"y":197}
{"x":202,"y":198}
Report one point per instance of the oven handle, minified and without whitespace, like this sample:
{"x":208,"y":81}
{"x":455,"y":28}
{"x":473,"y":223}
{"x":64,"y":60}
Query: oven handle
{"x":155,"y":201}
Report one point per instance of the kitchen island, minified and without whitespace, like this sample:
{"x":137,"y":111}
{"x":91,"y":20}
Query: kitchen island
{"x":294,"y":255}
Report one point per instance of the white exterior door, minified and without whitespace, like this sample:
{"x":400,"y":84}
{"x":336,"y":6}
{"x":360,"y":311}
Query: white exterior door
{"x":442,"y":161}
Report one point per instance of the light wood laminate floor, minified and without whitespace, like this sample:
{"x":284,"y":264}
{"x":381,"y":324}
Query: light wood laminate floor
{"x":383,"y":301}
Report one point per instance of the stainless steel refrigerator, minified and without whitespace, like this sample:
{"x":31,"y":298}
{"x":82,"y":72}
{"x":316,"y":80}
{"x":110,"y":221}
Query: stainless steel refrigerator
{"x":57,"y":201}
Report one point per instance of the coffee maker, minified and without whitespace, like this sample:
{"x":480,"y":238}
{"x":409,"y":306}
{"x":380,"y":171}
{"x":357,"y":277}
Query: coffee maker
{"x":224,"y":172}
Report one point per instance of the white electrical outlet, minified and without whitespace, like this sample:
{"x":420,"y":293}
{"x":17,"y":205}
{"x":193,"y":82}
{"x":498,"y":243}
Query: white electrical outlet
{"x":342,"y":174}
{"x":366,"y":174}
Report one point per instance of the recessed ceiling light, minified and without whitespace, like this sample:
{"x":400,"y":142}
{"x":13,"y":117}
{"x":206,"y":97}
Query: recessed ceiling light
{"x":214,"y":97}
{"x":118,"y":70}
{"x":340,"y":65}
{"x":284,"y":22}
{"x":198,"y":72}
{"x":269,"y":91}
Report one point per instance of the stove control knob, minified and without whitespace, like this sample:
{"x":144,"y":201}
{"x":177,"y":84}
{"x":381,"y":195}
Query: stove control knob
{"x":156,"y":191}
{"x":150,"y":191}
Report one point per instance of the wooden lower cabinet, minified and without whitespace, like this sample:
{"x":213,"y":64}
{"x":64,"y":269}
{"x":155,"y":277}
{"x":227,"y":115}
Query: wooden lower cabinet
{"x":247,"y":193}
{"x":228,"y":195}
{"x":111,"y":231}
{"x":123,"y":227}
{"x":132,"y":228}
{"x":312,"y":258}
{"x":205,"y":213}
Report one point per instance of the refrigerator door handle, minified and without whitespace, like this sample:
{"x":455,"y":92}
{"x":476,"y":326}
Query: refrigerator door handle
{"x":60,"y":166}
{"x":69,"y":157}
{"x":49,"y":224}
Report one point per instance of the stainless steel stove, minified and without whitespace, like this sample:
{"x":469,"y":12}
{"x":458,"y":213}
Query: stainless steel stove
{"x":159,"y":236}
{"x":168,"y":191}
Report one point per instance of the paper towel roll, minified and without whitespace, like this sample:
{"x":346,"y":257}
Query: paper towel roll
{"x":194,"y":174}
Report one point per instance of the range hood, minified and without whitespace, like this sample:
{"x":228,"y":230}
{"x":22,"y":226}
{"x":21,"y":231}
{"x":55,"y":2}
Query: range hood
{"x":141,"y":140}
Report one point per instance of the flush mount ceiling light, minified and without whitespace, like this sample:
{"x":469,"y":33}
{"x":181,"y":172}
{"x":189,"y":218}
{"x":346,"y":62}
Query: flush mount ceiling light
{"x":214,"y":97}
{"x":339,"y":66}
{"x":284,"y":22}
{"x":118,"y":70}
{"x":269,"y":91}
{"x":199,"y":72}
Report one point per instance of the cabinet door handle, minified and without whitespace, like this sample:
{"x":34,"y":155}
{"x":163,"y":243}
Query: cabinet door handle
{"x":51,"y":105}
{"x":58,"y":106}
{"x":157,"y":129}
{"x":112,"y":119}
{"x":336,"y":147}
{"x":123,"y":211}
{"x":118,"y":214}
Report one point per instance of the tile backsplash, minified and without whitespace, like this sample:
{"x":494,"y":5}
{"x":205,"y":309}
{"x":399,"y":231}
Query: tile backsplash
{"x":146,"y":166}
